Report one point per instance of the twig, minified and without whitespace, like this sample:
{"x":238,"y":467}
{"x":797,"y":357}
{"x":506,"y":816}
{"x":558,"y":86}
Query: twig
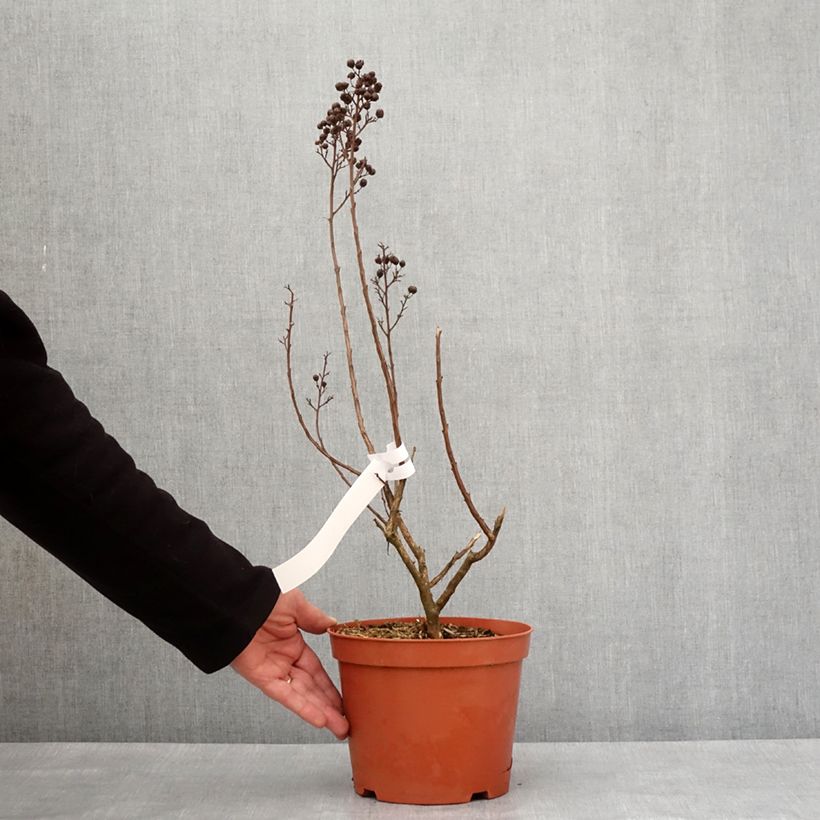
{"x":445,"y":430}
{"x":459,"y":555}
{"x":287,"y":341}
{"x":470,"y":559}
{"x":321,"y":385}
{"x":389,"y":333}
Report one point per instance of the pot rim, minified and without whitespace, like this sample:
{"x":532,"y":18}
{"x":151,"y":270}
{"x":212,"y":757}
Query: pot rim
{"x":525,"y":629}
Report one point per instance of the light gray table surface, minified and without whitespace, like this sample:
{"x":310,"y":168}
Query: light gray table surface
{"x":715,"y":779}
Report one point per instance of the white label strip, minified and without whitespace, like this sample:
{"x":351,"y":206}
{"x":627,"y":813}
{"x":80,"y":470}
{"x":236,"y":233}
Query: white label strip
{"x":391,"y":465}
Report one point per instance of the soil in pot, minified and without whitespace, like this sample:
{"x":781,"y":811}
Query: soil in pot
{"x":411,"y":630}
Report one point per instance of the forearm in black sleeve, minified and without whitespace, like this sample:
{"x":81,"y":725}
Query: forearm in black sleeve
{"x":71,"y":488}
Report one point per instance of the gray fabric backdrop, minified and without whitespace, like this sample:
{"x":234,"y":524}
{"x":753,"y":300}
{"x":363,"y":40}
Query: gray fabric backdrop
{"x":611,"y":209}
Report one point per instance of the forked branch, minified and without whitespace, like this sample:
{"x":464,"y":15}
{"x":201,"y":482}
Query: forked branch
{"x":470,"y":559}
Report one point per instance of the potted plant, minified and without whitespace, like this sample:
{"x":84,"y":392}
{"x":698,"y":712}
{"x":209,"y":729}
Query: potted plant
{"x":431,"y":703}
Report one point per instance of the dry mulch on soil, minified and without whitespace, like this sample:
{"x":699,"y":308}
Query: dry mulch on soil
{"x":413,"y":629}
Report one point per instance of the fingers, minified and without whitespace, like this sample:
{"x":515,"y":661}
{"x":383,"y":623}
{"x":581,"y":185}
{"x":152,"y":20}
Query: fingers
{"x":337,"y":723}
{"x":307,"y":684}
{"x":310,"y":617}
{"x":302,"y":697}
{"x":286,"y":693}
{"x":312,"y":665}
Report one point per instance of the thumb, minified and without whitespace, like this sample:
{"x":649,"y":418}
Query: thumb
{"x":310,"y":618}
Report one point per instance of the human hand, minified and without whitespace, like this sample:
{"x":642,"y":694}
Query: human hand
{"x":279,"y":663}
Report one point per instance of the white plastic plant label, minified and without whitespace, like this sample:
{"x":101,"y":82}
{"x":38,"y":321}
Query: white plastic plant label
{"x":392,"y":465}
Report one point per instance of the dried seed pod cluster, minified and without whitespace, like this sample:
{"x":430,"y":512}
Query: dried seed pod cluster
{"x":388,"y":273}
{"x":348,"y":117}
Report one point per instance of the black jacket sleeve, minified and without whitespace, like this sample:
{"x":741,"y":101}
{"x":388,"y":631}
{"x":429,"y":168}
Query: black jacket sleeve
{"x":71,"y":488}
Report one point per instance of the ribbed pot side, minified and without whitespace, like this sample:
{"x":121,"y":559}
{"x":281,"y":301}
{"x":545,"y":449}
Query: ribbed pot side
{"x":432,"y":721}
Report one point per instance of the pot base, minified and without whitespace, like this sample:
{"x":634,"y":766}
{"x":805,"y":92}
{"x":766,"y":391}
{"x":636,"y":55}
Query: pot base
{"x":496,"y":787}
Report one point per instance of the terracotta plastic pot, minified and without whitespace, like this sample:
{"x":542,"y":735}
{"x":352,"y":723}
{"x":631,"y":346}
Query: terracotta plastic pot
{"x":432,"y":721}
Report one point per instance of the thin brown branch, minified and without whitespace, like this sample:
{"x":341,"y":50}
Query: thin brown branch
{"x":383,"y":281}
{"x":287,"y":341}
{"x":404,"y":300}
{"x":417,"y":550}
{"x":389,"y":335}
{"x":337,"y":269}
{"x":341,"y":204}
{"x":321,"y":385}
{"x":391,"y":396}
{"x":419,"y":569}
{"x":457,"y":557}
{"x":395,"y":542}
{"x":445,"y":430}
{"x":321,"y":388}
{"x":396,"y":519}
{"x":470,"y":559}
